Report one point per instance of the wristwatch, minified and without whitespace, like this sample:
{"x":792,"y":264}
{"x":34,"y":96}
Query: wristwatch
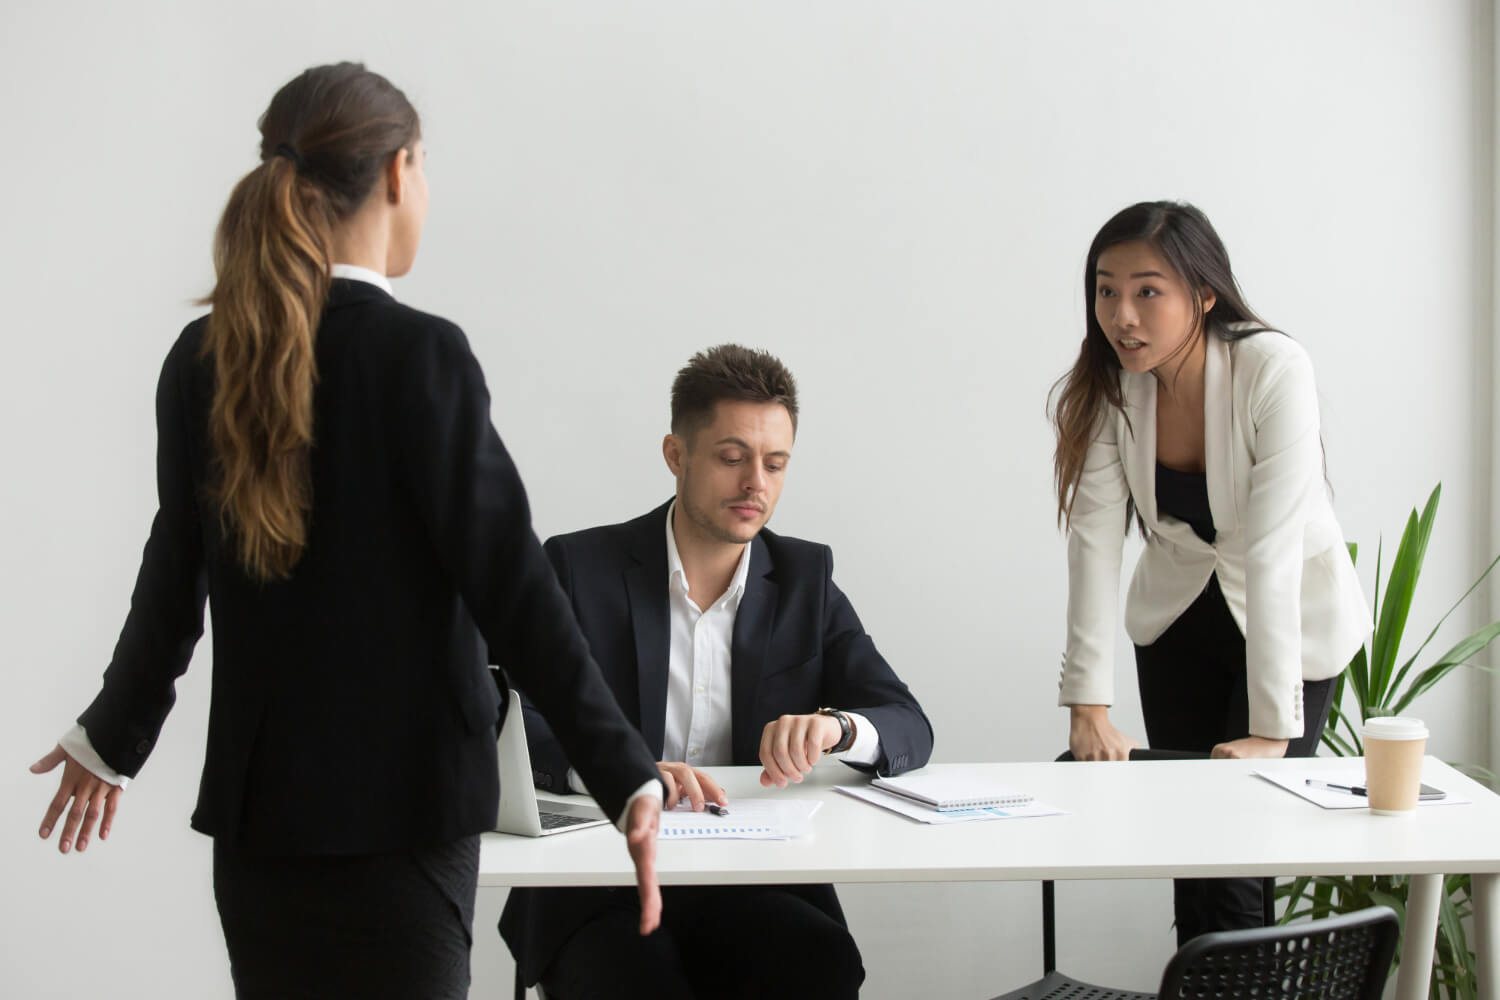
{"x":846,"y":730}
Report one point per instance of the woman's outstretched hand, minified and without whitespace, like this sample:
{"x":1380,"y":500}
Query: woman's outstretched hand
{"x":93,"y":799}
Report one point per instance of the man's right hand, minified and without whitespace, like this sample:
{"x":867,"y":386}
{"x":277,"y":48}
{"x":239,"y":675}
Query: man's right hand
{"x":640,"y":837}
{"x":683,"y":782}
{"x":1091,"y":736}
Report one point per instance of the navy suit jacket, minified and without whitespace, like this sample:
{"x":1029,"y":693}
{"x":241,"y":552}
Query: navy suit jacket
{"x":352,"y":711}
{"x":797,"y":646}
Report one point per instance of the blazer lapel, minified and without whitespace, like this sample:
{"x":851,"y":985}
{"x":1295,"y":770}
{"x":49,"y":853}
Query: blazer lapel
{"x":747,"y":652}
{"x":1218,"y":434}
{"x":1138,"y":444}
{"x":646,"y":584}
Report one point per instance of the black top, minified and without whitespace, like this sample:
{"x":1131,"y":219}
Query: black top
{"x":1184,"y":495}
{"x":352,"y":710}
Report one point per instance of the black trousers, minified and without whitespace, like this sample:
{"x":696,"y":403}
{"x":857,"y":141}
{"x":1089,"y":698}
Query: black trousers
{"x":1194,"y":695}
{"x":714,"y":942}
{"x":388,"y":926}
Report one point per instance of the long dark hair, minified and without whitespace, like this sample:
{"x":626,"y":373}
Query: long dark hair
{"x":1185,"y":239}
{"x":323,"y":142}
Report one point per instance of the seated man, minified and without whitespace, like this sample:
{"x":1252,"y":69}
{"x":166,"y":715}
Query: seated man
{"x":725,"y":643}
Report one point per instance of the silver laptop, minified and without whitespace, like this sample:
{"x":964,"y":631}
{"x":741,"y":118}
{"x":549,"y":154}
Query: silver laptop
{"x":520,"y":812}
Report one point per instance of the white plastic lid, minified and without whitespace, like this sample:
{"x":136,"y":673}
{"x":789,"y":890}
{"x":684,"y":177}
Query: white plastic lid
{"x":1394,"y":727}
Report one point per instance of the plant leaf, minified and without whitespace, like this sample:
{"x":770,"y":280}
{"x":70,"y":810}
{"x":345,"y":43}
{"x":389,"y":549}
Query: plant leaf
{"x":1358,"y":672}
{"x":1331,"y":737}
{"x":1292,"y":892}
{"x":1406,"y":570}
{"x":1338,"y":745}
{"x":1451,"y":936}
{"x":1413,"y":659}
{"x":1397,"y":903}
{"x":1456,"y":657}
{"x":1375,"y":605}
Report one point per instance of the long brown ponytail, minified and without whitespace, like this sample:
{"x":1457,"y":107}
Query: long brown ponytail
{"x":1082,"y":398}
{"x":324,"y":140}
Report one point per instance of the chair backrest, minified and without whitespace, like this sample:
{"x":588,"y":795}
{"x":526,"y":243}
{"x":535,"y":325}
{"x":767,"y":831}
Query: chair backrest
{"x":1346,"y":957}
{"x":1144,"y":753}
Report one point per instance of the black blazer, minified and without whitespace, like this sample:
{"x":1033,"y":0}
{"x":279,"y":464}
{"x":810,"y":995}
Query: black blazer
{"x":797,"y":646}
{"x":352,"y":710}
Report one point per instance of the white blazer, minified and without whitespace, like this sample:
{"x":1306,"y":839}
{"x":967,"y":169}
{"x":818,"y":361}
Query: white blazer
{"x":1278,"y":551}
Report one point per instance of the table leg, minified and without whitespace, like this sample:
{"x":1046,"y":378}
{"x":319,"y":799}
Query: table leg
{"x":1422,"y":897}
{"x":1487,"y":934}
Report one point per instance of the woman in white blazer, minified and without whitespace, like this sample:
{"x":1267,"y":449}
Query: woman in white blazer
{"x":1187,"y":415}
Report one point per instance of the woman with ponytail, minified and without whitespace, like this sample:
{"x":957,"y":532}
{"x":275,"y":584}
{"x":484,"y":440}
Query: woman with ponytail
{"x":1187,"y":416}
{"x":330,"y":484}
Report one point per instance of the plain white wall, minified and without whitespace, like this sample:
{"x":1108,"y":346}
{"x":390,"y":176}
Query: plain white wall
{"x":896,"y":198}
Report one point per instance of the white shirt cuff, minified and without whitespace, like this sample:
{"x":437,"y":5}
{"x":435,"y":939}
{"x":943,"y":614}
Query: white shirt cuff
{"x":575,"y":783}
{"x":76,"y":743}
{"x":651,"y":787}
{"x":866,"y":746}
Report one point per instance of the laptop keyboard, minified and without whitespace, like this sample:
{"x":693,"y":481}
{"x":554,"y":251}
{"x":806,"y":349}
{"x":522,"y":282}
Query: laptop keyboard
{"x":556,"y":821}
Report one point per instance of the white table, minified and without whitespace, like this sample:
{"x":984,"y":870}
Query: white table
{"x":1155,"y":819}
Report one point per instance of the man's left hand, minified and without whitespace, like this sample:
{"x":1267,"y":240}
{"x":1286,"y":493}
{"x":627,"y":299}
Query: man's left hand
{"x":792,"y":744}
{"x":1250,"y":747}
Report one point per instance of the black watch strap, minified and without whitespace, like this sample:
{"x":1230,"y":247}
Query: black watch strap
{"x":846,"y":730}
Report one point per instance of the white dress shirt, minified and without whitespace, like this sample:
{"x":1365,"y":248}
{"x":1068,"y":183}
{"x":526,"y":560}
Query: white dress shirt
{"x":356,"y":273}
{"x":698,"y":720}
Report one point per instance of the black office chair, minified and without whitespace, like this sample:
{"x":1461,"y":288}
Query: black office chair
{"x":1055,"y":985}
{"x":1337,"y":958}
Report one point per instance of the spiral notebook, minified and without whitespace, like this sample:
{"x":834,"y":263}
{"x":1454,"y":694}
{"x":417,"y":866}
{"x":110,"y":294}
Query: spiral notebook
{"x":948,"y":792}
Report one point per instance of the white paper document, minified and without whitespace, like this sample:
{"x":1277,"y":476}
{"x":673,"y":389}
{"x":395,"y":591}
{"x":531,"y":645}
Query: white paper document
{"x":1351,"y":773}
{"x":926,"y":814}
{"x":747,"y":819}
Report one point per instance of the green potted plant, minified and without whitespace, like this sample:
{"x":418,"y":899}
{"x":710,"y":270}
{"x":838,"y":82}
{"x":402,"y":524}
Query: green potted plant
{"x":1380,"y":687}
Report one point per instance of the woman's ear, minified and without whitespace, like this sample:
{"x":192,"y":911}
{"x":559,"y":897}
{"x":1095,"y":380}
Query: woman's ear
{"x":1209,"y":298}
{"x":395,"y":188}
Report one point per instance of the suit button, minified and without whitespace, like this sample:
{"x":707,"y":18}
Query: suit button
{"x":143,"y":746}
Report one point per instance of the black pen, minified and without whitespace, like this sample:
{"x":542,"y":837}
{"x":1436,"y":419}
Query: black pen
{"x":1351,"y":789}
{"x":716,"y":809}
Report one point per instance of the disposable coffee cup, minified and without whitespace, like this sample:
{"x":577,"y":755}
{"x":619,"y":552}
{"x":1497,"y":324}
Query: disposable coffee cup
{"x":1394,"y":747}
